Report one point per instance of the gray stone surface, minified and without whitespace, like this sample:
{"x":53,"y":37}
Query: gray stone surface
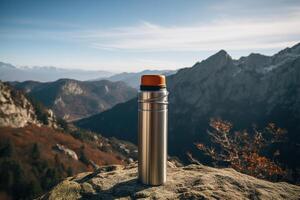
{"x":189,"y":182}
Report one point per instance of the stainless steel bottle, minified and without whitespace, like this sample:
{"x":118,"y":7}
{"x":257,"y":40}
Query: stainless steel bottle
{"x":152,"y":130}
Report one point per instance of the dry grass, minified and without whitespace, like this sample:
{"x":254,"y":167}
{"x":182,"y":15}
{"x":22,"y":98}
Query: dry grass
{"x":24,"y":138}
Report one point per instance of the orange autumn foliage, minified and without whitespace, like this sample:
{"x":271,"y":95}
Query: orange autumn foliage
{"x":243,"y":151}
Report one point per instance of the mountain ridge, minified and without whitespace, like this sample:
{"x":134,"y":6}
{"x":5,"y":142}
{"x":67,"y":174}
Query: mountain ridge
{"x":89,"y":97}
{"x":220,"y":87}
{"x":133,"y":78}
{"x":9,"y":72}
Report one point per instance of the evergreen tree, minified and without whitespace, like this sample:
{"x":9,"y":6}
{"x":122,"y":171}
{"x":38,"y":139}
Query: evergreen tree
{"x":35,"y":152}
{"x":6,"y":149}
{"x":82,"y":157}
{"x":70,"y":171}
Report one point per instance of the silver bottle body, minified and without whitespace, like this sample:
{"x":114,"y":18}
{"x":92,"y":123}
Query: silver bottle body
{"x":152,"y":136}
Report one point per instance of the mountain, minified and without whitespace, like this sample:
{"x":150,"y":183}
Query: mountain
{"x":36,"y":151}
{"x":9,"y":72}
{"x":133,"y":79}
{"x":256,"y":89}
{"x":72,"y":99}
{"x":189,"y":182}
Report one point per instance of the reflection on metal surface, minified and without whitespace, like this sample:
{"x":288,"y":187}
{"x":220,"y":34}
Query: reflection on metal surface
{"x":152,"y":136}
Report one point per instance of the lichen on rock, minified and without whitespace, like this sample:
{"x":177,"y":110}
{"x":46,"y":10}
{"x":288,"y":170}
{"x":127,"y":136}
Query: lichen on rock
{"x":189,"y":182}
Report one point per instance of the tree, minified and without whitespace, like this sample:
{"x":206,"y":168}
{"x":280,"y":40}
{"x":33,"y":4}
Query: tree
{"x":50,"y":178}
{"x":63,"y":124}
{"x":40,"y":110}
{"x":243,"y":151}
{"x":34,"y":188}
{"x":12,"y":179}
{"x":35,"y":152}
{"x":6,"y":149}
{"x":70,"y":171}
{"x":82,"y":157}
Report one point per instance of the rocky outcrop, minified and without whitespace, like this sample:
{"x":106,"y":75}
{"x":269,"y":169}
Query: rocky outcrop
{"x":72,"y":88}
{"x":15,"y":110}
{"x":68,"y":152}
{"x":189,"y":182}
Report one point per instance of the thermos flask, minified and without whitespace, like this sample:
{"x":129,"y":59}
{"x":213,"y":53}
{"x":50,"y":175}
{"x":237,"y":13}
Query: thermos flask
{"x":152,"y":130}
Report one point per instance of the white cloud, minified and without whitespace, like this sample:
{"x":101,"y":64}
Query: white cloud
{"x":235,"y":34}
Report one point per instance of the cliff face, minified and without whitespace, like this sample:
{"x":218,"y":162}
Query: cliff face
{"x":189,"y":182}
{"x":15,"y":110}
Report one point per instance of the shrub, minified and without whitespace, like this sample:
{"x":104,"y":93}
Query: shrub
{"x":63,"y":124}
{"x":243,"y":151}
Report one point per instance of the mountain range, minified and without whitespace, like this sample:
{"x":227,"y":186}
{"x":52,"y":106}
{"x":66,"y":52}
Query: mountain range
{"x":133,"y":78}
{"x":71,"y":99}
{"x":255,"y":89}
{"x":9,"y":72}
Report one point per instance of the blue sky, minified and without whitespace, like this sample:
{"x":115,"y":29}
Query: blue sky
{"x":133,"y":35}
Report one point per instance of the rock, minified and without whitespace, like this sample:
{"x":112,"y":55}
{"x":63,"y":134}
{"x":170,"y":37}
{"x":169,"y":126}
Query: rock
{"x":72,"y":191}
{"x":72,"y":88}
{"x":15,"y":110}
{"x":189,"y":182}
{"x":63,"y":149}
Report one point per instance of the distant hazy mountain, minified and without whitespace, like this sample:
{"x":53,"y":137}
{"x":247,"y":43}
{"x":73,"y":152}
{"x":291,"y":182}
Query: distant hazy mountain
{"x":72,"y":99}
{"x":133,"y":79}
{"x":256,"y":89}
{"x":9,"y":72}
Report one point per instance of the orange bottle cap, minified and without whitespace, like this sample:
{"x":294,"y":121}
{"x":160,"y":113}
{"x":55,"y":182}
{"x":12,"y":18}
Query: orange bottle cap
{"x":153,"y":80}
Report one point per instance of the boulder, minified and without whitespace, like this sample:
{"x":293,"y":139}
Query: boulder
{"x":188,"y":182}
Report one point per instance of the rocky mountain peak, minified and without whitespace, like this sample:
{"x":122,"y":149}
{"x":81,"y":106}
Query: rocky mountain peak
{"x":214,"y":62}
{"x":189,"y":182}
{"x":213,"y":89}
{"x":287,"y":54}
{"x":220,"y":57}
{"x":254,"y":61}
{"x":291,"y":50}
{"x":296,"y":48}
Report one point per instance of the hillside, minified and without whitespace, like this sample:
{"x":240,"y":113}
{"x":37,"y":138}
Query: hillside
{"x":256,"y":89}
{"x":9,"y":72}
{"x":189,"y":182}
{"x":88,"y":97}
{"x":33,"y":159}
{"x":37,"y":151}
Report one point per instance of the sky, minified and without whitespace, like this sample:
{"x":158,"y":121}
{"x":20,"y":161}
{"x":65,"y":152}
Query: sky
{"x":134,"y":35}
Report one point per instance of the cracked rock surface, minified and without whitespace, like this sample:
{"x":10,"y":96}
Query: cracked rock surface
{"x":189,"y":182}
